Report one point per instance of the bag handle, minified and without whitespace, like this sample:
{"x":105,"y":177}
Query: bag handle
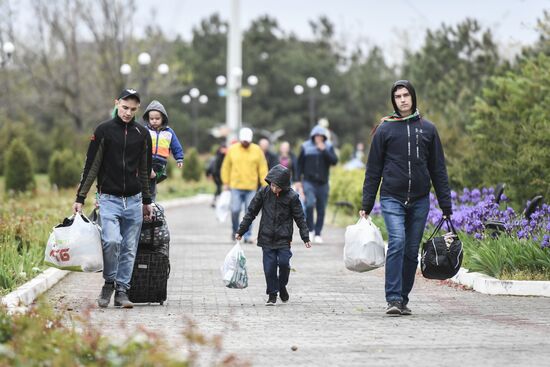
{"x":440,"y":224}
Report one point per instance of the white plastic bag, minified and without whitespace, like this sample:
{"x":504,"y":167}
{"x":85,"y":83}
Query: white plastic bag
{"x":75,"y":245}
{"x":234,"y":272}
{"x":223,"y":206}
{"x":364,"y":246}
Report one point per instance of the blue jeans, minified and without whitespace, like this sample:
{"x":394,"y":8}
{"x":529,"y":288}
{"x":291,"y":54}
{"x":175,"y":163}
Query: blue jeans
{"x":121,"y":220}
{"x":274,"y":259}
{"x":405,"y":225}
{"x":238,"y":199}
{"x":316,"y":198}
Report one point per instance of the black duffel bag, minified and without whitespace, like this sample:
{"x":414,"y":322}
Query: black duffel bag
{"x":441,"y":255}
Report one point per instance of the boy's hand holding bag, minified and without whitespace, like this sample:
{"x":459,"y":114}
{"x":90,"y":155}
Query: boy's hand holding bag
{"x":75,"y":245}
{"x":364,"y":246}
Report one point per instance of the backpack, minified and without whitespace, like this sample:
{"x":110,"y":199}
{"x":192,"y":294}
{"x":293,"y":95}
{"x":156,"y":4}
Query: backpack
{"x":442,"y":255}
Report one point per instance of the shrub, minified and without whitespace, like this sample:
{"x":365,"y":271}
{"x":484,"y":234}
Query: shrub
{"x":347,"y":185}
{"x":192,"y":168}
{"x":40,"y":338}
{"x":18,"y":167}
{"x":346,"y":152}
{"x":64,"y":169}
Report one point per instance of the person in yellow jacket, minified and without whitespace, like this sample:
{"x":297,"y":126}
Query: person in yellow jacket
{"x":243,"y":170}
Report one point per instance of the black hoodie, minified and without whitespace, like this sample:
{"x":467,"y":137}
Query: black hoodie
{"x":278,"y":212}
{"x":406,"y":154}
{"x":119,"y":156}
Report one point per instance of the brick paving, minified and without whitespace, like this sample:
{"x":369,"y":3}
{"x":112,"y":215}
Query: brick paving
{"x":334,"y":317}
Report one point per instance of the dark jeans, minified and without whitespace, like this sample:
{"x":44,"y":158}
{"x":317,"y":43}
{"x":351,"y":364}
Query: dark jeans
{"x":316,"y":198}
{"x":273,"y":259}
{"x":405,"y":225}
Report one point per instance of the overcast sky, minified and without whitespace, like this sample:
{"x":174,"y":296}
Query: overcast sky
{"x":388,"y":24}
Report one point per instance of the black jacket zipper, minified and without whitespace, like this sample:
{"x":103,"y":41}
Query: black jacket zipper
{"x":124,"y":161}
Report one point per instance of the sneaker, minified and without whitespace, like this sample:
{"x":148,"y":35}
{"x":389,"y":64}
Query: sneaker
{"x":318,"y":239}
{"x":248,"y":240}
{"x":106,"y":293}
{"x":405,"y":310}
{"x":121,"y":300}
{"x":284,"y":295}
{"x":394,"y":308}
{"x":311,"y":235}
{"x":272,"y":299}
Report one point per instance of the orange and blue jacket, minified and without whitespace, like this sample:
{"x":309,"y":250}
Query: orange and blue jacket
{"x":164,"y":140}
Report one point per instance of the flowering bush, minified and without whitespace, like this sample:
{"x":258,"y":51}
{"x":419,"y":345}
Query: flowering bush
{"x":473,"y":208}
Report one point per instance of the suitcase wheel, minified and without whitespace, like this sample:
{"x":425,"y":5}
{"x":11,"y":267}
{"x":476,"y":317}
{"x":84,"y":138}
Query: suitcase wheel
{"x":161,"y":303}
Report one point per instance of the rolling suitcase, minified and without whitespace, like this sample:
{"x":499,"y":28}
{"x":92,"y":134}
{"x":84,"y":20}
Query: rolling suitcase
{"x":152,"y":264}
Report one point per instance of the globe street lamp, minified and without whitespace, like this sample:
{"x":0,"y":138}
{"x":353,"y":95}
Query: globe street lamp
{"x":144,"y":60}
{"x":311,"y":83}
{"x":241,"y":92}
{"x":194,"y":98}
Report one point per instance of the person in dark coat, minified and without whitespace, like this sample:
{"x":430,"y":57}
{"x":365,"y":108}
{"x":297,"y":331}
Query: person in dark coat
{"x":407,"y":156}
{"x":280,"y":206}
{"x":270,"y":157}
{"x":214,"y":170}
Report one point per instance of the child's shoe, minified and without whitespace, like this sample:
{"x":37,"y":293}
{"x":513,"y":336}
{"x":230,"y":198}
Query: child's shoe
{"x":272,"y":299}
{"x":284,"y":295}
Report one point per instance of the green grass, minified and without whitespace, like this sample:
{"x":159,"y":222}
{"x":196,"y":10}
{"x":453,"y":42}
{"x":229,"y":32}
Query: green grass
{"x":175,"y":187}
{"x":507,"y":258}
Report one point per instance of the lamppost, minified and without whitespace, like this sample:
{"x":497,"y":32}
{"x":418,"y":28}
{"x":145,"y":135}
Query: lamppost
{"x":311,"y":83}
{"x":239,"y":90}
{"x":194,"y":98}
{"x":7,"y":52}
{"x":144,"y":60}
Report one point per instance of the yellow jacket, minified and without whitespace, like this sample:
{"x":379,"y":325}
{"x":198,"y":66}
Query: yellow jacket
{"x":244,"y":168}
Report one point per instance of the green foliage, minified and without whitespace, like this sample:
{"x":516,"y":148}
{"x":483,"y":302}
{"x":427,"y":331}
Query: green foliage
{"x":18,"y":166}
{"x":506,"y":255}
{"x":347,"y":185}
{"x":346,"y":152}
{"x":448,"y":73}
{"x":25,"y":223}
{"x":510,"y":134}
{"x":192,"y":167}
{"x":64,"y":169}
{"x":41,"y":338}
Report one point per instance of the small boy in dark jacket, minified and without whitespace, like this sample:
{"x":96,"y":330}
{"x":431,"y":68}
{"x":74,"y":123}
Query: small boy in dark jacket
{"x":280,"y":205}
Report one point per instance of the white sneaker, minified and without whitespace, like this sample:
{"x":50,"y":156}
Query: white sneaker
{"x":311,"y":235}
{"x":318,"y":239}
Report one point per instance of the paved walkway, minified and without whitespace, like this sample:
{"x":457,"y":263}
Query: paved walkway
{"x":334,"y":317}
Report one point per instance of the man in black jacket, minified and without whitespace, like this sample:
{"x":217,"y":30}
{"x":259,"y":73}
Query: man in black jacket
{"x":280,"y":206}
{"x":407,"y":155}
{"x":119,"y":156}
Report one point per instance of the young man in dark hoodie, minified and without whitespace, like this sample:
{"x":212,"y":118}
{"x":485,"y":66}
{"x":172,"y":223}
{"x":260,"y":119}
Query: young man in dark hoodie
{"x":312,"y":177}
{"x":407,"y":155}
{"x":164,"y":141}
{"x":280,"y":206}
{"x":119,"y":156}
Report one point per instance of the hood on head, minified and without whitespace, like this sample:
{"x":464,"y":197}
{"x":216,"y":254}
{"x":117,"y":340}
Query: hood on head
{"x":318,"y":130}
{"x":156,"y":106}
{"x":410,"y":88}
{"x":280,"y":176}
